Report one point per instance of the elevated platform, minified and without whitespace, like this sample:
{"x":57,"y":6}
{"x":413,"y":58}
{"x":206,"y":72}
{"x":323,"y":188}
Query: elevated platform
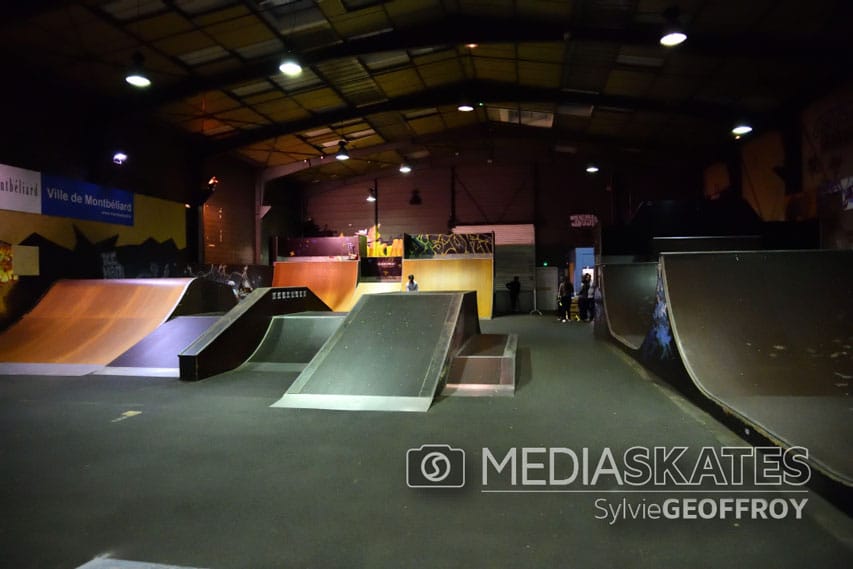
{"x":485,"y":366}
{"x":391,"y":353}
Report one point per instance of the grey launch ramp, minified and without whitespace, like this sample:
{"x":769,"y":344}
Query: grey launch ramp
{"x":292,"y":341}
{"x":769,"y":337}
{"x":391,"y":353}
{"x":628,"y":297}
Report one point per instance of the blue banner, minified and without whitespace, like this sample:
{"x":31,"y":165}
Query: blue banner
{"x":64,"y":197}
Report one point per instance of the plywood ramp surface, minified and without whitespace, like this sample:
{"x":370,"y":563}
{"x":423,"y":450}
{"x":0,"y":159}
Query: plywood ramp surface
{"x":91,"y":321}
{"x":455,"y":275}
{"x":768,"y":336}
{"x":333,"y":282}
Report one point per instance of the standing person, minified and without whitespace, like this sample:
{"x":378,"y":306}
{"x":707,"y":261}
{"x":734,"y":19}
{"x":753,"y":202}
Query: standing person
{"x":586,"y":299}
{"x":514,"y":287}
{"x":564,"y":300}
{"x":412,"y":285}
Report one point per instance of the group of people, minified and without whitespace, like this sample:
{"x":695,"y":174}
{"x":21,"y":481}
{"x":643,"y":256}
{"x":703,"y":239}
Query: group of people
{"x":586,"y":296}
{"x":586,"y":299}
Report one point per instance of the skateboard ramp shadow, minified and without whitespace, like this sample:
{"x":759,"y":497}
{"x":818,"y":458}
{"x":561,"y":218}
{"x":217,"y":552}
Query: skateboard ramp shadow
{"x":390,"y":353}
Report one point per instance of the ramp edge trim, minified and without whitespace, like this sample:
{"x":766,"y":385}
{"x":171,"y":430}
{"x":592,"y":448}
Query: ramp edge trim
{"x":354,"y":403}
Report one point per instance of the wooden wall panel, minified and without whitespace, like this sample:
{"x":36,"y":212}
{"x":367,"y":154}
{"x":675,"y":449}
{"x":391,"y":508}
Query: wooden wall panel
{"x":455,"y":274}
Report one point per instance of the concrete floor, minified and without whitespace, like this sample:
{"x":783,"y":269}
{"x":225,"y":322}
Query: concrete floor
{"x":207,"y":475}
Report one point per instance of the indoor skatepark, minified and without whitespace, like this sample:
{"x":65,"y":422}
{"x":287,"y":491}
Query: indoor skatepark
{"x":294,"y":284}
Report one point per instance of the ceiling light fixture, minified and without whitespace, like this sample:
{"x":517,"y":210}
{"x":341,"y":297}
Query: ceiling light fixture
{"x":136,"y":74}
{"x":591,"y":169}
{"x":673,"y":34}
{"x":741,"y":129}
{"x":119,"y":158}
{"x":290,"y":67}
{"x":342,"y":151}
{"x":471,"y":45}
{"x":371,"y":195}
{"x":405,"y":168}
{"x":465,"y":107}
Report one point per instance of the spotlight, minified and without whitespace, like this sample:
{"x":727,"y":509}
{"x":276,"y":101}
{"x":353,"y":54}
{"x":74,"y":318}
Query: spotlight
{"x":371,"y":195}
{"x":405,"y":168}
{"x":290,"y":67}
{"x":136,"y":74}
{"x":212,"y":183}
{"x":465,"y":107}
{"x":741,"y":129}
{"x":591,"y":169}
{"x":119,"y":158}
{"x":673,"y":34}
{"x":342,"y":151}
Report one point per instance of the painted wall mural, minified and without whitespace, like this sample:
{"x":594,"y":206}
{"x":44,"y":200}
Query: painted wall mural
{"x":425,"y":245}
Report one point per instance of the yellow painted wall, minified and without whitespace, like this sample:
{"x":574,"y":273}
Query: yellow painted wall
{"x":152,"y":218}
{"x":455,"y":274}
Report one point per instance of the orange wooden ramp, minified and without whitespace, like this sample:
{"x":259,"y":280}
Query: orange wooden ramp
{"x":91,"y":321}
{"x":333,"y":282}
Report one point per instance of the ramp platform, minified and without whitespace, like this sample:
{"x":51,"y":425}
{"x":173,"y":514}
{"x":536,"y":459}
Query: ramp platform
{"x":485,"y":366}
{"x":391,"y":353}
{"x":628,"y":299}
{"x":769,"y":337}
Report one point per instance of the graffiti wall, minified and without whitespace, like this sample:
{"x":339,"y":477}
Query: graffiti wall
{"x":426,"y":245}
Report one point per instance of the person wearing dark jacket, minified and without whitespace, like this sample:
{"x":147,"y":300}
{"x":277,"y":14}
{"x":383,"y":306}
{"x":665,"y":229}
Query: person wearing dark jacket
{"x":564,"y":300}
{"x":514,"y":287}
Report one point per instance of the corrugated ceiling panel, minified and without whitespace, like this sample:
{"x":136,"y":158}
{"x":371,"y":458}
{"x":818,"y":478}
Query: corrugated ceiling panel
{"x":495,"y":50}
{"x":634,"y":83}
{"x":441,"y":73}
{"x":242,"y":118}
{"x":282,"y":110}
{"x":228,"y":14}
{"x":493,"y":8}
{"x":361,"y":22}
{"x":495,"y":69}
{"x":241,"y":32}
{"x":539,"y":74}
{"x":184,"y":43}
{"x":546,"y":52}
{"x":409,"y":12}
{"x":397,"y":83}
{"x":161,"y":26}
{"x":319,"y":100}
{"x":426,"y":125}
{"x":263,"y":97}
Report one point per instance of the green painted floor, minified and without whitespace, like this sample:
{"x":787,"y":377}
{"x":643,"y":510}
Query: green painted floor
{"x":207,"y":475}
